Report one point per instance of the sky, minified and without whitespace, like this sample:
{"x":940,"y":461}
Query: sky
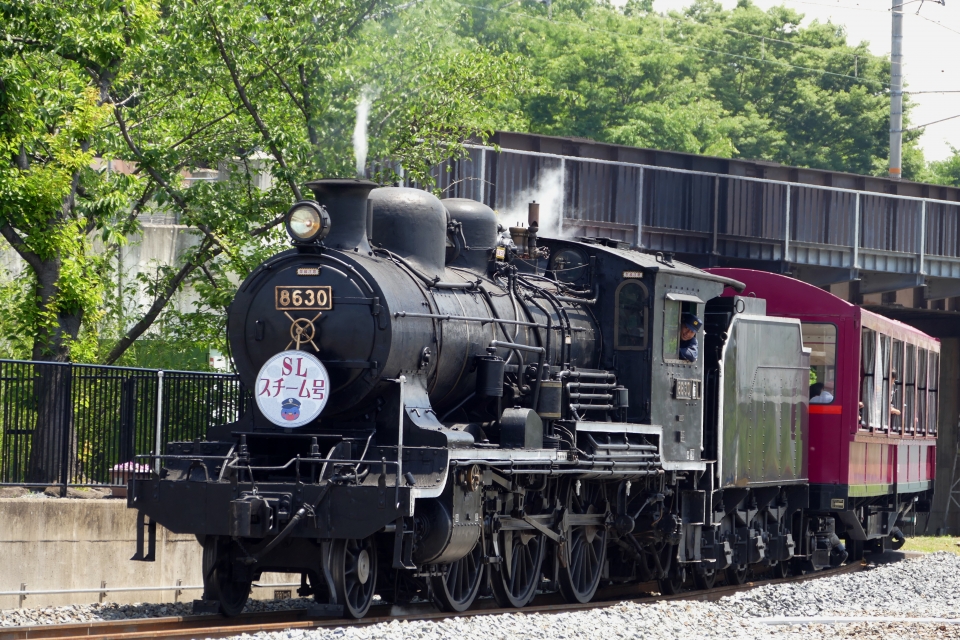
{"x":931,"y":53}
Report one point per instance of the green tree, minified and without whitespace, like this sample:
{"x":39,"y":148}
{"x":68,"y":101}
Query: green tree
{"x":946,"y":171}
{"x":736,"y":83}
{"x":169,"y":86}
{"x":274,"y":86}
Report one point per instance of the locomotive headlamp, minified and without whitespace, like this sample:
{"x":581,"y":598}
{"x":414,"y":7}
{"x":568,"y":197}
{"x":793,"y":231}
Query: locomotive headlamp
{"x":307,"y":221}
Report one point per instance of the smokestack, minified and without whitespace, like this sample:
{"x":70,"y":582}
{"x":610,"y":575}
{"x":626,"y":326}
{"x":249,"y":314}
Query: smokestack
{"x":346,"y":202}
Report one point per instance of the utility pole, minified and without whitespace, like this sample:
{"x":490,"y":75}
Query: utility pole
{"x":896,"y":84}
{"x":896,"y":89}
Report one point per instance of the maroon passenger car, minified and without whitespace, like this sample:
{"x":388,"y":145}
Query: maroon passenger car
{"x":873,"y":407}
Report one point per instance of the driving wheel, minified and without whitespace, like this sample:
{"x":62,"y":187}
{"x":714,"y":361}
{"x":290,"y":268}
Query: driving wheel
{"x":458,"y":587}
{"x":583,"y":552}
{"x":354,"y":570}
{"x":515,"y":579}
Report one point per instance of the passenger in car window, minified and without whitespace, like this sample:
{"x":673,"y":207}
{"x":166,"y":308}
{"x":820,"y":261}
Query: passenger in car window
{"x":819,"y":395}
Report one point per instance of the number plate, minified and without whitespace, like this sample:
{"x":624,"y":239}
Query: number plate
{"x":294,"y":298}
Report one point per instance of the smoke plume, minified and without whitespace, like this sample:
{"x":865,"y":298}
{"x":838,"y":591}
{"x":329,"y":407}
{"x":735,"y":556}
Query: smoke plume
{"x":367,"y":95}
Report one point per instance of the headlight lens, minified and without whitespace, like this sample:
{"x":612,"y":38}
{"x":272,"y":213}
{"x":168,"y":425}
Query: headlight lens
{"x":307,"y":221}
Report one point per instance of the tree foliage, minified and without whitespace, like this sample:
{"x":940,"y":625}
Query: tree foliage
{"x":264,"y":91}
{"x":946,"y":171}
{"x":732,"y":83}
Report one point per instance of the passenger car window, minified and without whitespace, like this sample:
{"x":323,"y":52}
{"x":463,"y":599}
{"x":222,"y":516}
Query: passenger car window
{"x":631,"y":316}
{"x":870,"y":411}
{"x":821,"y":338}
{"x":933,"y":388}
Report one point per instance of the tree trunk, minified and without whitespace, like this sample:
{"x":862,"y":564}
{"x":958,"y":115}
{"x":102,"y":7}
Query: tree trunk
{"x":53,"y":451}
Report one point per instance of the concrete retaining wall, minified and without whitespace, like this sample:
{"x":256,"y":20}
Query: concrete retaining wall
{"x":77,"y":544}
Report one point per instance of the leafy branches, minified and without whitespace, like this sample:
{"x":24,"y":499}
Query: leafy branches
{"x":740,"y":82}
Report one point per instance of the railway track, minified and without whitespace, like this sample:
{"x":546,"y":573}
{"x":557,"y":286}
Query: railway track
{"x":215,"y":626}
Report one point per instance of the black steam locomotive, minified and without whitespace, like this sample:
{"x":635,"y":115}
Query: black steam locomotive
{"x":441,"y":410}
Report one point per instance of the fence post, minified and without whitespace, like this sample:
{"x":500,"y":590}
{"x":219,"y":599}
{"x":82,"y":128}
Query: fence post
{"x":483,"y":176}
{"x":563,"y":195}
{"x":159,"y":437}
{"x":856,"y":232}
{"x":716,"y":217}
{"x":65,"y":439}
{"x":786,"y":229}
{"x":921,"y":242}
{"x":23,"y":594}
{"x":640,"y":208}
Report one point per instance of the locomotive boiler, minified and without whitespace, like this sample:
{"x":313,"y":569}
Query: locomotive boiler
{"x":437,"y":407}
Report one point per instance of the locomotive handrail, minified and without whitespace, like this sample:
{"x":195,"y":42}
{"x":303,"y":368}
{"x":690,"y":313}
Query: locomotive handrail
{"x":231,"y":459}
{"x":517,"y":346}
{"x":606,"y":472}
{"x":449,"y":317}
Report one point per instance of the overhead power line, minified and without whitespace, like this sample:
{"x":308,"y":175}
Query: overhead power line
{"x":921,"y":126}
{"x":939,"y":24}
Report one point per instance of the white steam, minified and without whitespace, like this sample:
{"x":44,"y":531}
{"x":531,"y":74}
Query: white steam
{"x":367,"y":96}
{"x":548,"y":192}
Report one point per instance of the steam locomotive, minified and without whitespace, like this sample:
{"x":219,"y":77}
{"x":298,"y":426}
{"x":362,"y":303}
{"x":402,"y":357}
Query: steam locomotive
{"x":441,"y":409}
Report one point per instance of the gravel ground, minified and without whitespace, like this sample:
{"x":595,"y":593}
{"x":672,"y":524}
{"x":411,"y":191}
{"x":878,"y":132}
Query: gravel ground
{"x":114,"y":611}
{"x":926,"y":587}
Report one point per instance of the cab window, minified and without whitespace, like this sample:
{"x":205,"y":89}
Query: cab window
{"x":673,"y":311}
{"x":821,"y":338}
{"x":631,"y":317}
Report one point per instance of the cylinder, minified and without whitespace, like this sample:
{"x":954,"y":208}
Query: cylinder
{"x":551,"y":397}
{"x":490,"y":376}
{"x":621,"y":397}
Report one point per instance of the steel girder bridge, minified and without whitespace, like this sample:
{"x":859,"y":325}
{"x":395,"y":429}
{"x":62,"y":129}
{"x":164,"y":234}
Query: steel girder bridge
{"x":823,"y":227}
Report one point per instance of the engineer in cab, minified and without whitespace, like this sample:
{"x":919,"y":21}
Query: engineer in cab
{"x":689,"y":326}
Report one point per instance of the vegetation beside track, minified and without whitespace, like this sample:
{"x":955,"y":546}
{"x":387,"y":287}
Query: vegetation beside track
{"x":929,"y":544}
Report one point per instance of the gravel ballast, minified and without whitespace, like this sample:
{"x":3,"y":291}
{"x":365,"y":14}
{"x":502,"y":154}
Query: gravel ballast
{"x":926,"y":587}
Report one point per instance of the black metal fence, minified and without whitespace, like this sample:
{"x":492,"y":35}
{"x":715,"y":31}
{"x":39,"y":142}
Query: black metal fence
{"x":82,"y":425}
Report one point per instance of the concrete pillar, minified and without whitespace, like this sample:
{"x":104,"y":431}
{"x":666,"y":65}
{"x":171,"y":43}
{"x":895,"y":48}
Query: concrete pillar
{"x":947,"y":439}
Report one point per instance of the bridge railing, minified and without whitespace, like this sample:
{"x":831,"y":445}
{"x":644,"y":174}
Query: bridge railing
{"x":699,"y":212}
{"x":69,"y":424}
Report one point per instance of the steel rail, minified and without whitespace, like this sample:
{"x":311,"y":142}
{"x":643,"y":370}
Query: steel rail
{"x":214,"y":626}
